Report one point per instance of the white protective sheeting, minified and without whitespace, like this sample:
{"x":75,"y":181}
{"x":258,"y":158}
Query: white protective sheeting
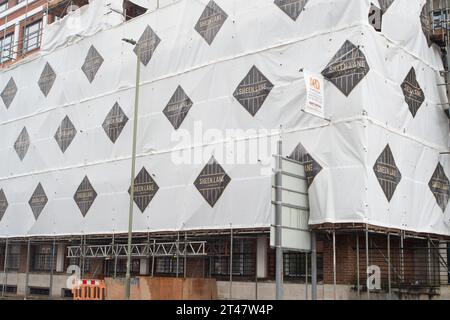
{"x":342,"y":153}
{"x":153,"y":4}
{"x":144,"y":3}
{"x":82,"y":22}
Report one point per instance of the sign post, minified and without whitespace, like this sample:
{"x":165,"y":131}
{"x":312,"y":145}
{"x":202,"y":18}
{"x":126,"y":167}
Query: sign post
{"x":290,"y":229}
{"x":278,"y":222}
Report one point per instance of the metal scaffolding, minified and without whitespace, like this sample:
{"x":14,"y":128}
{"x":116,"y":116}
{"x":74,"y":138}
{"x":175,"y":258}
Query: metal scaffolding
{"x":409,"y":264}
{"x":142,"y":250}
{"x":435,"y":19}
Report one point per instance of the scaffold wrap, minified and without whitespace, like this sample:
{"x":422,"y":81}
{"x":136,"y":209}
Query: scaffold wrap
{"x":221,"y":81}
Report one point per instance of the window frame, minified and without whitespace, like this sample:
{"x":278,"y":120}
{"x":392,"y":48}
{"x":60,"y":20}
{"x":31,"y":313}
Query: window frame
{"x":26,"y":47}
{"x":168,"y":265}
{"x":244,"y":259}
{"x":4,"y":5}
{"x":4,"y":58}
{"x":42,"y":259}
{"x":121,"y":267}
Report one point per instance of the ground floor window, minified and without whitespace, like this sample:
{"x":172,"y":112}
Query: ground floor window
{"x":296,"y":266}
{"x":13,"y":260}
{"x":168,"y":265}
{"x":243,"y":254}
{"x":119,"y":267}
{"x":44,"y":259}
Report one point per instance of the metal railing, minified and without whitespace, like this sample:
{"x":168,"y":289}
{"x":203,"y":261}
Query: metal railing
{"x":19,"y":48}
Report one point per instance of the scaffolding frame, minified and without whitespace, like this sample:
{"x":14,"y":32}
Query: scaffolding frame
{"x":142,"y":250}
{"x":437,"y":30}
{"x":402,"y":275}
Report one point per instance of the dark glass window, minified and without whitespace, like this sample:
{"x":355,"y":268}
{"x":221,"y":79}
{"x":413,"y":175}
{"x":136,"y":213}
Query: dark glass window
{"x":121,"y":267}
{"x":168,"y":265}
{"x":244,"y":258}
{"x":13,"y":261}
{"x":42,"y":258}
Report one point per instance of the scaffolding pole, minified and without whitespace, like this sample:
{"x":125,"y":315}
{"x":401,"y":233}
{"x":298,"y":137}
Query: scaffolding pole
{"x":203,"y":267}
{"x":178,"y":253}
{"x":83,"y":243}
{"x":147,"y":259}
{"x":367,"y":263}
{"x":52,"y":265}
{"x":185,"y":257}
{"x":27,"y":274}
{"x":313,"y":266}
{"x":153,"y":258}
{"x":278,"y":223}
{"x":115,"y":258}
{"x":256,"y":283}
{"x":358,"y":284}
{"x":389,"y":265}
{"x":231,"y":263}
{"x":5,"y":267}
{"x":429,"y":261}
{"x":306,"y":275}
{"x":334,"y":264}
{"x":402,"y":265}
{"x":24,"y":29}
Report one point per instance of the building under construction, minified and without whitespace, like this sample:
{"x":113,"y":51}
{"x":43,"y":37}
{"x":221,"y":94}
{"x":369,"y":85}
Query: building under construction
{"x":227,"y":115}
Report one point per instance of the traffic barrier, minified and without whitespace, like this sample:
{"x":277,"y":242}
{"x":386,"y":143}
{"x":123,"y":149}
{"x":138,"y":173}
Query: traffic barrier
{"x":90,"y":290}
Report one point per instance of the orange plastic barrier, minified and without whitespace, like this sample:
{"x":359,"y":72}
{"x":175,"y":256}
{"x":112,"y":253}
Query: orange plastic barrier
{"x":90,"y":290}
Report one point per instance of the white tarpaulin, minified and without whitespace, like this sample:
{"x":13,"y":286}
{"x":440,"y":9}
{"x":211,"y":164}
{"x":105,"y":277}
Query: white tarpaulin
{"x":219,"y":80}
{"x":142,"y":3}
{"x":82,"y":22}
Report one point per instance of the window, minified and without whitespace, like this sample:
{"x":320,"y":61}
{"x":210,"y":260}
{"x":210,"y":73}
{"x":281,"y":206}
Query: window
{"x":32,"y":36}
{"x":85,"y":266}
{"x":121,"y":267}
{"x":168,"y":265}
{"x":9,"y":289}
{"x":13,"y":260}
{"x":244,"y":258}
{"x":39,"y":291}
{"x":294,"y":265}
{"x":19,"y":1}
{"x":13,"y":257}
{"x":440,"y":19}
{"x":6,"y":47}
{"x":3,"y":6}
{"x":42,"y":260}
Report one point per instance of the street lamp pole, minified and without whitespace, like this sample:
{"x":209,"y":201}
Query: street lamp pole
{"x":133,"y":169}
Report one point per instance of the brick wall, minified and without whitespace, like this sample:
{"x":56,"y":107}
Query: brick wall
{"x":21,"y":11}
{"x":407,"y":267}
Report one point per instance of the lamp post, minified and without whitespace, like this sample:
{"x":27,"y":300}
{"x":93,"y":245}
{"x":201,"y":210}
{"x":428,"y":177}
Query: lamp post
{"x":133,"y":169}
